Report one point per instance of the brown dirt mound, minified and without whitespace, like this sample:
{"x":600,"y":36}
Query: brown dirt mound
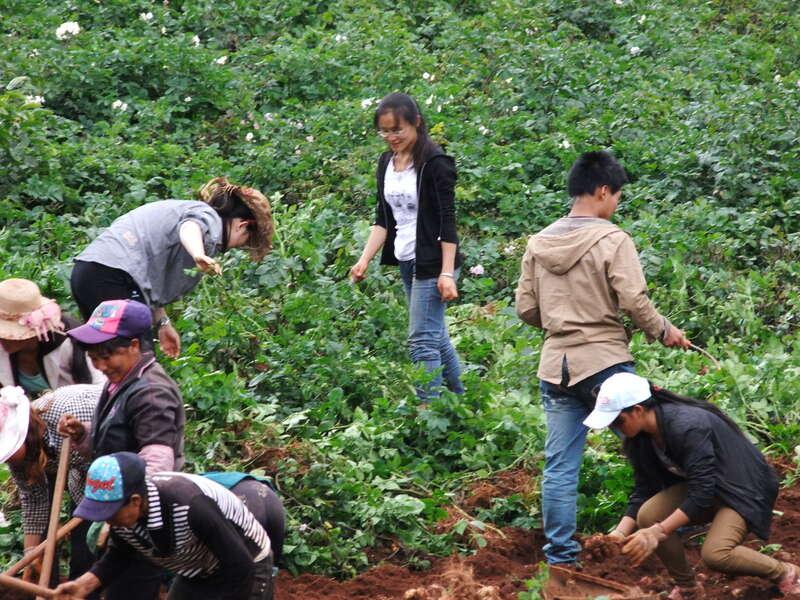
{"x":603,"y":559}
{"x":496,"y":572}
{"x":511,"y":556}
{"x":501,"y":485}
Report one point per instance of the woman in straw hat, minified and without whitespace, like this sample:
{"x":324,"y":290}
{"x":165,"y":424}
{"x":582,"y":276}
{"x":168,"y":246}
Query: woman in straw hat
{"x":35,"y":353}
{"x":145,"y":254}
{"x":30,"y":444}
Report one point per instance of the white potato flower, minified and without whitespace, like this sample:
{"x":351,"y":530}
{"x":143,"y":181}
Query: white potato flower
{"x":67,"y":30}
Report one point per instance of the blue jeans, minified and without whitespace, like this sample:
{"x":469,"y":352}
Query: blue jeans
{"x":565,"y":409}
{"x":428,"y":341}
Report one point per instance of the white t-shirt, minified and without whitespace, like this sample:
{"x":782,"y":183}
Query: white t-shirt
{"x":400,"y":191}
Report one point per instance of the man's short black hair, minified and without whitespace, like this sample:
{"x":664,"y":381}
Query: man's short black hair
{"x":593,"y":170}
{"x":107,"y":348}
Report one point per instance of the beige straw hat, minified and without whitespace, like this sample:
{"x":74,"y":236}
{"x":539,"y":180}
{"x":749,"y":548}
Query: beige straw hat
{"x":260,"y":241}
{"x":25,"y":313}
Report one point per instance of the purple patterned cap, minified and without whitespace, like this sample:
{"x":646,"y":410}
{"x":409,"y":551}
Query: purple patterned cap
{"x":114,"y":318}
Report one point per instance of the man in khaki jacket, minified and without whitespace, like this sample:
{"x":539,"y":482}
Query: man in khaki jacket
{"x":577,"y":274}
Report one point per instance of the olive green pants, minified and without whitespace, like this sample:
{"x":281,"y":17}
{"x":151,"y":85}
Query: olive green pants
{"x":722,"y":549}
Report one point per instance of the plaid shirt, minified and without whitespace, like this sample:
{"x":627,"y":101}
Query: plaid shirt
{"x":76,"y":400}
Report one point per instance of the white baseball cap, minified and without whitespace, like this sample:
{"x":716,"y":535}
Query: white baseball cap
{"x":619,"y":391}
{"x":15,"y":409}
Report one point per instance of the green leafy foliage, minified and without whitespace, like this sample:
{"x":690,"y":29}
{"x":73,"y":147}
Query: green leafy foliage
{"x":286,"y":367}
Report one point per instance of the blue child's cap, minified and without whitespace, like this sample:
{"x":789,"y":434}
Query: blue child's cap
{"x":110,"y":482}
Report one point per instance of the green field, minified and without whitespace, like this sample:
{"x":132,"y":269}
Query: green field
{"x":288,"y":367}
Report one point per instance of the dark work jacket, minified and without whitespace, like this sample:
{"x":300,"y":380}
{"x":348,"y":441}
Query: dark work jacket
{"x":195,"y":529}
{"x":436,"y":214}
{"x":720,"y":464}
{"x":146,"y":409}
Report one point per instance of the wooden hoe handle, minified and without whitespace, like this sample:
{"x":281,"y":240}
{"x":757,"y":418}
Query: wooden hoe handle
{"x":55,"y":512}
{"x":31,"y":556}
{"x":24,"y":586}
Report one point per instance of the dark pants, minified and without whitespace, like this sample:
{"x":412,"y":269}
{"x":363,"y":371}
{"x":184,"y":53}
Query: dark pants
{"x":81,"y":557}
{"x":92,"y":283}
{"x":214,"y":588}
{"x":267,"y":509}
{"x":140,"y":581}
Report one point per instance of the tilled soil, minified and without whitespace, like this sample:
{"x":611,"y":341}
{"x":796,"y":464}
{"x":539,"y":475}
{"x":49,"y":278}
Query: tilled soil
{"x":498,"y":571}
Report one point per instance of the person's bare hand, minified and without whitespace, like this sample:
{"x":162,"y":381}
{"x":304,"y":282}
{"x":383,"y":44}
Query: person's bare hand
{"x":358,"y":272}
{"x":207,"y":265}
{"x":79,"y":588}
{"x":170,"y":341}
{"x":69,"y":426}
{"x":676,"y":337}
{"x":447,"y":288}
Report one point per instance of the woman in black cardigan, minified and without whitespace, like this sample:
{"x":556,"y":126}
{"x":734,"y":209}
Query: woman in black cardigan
{"x":416,"y":226}
{"x":691,"y":464}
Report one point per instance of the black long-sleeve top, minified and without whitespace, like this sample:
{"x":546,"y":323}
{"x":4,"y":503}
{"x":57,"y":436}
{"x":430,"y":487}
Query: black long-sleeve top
{"x":194,"y":528}
{"x":719,"y":463}
{"x":436,"y":213}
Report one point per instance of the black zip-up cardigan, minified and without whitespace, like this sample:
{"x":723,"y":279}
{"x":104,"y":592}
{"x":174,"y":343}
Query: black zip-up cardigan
{"x":720,"y":465}
{"x":436,"y":214}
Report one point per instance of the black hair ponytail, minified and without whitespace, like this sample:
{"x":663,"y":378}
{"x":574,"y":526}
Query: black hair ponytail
{"x":662,"y":396}
{"x":403,"y":106}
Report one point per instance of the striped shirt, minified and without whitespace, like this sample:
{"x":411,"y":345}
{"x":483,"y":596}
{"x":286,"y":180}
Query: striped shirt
{"x":77,"y":400}
{"x":184,"y":513}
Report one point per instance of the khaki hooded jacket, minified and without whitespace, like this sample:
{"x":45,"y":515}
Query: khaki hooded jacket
{"x":577,"y":274}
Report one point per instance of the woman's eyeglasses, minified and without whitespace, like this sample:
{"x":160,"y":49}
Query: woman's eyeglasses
{"x":386,"y":133}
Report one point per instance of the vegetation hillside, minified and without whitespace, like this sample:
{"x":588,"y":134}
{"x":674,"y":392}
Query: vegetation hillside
{"x":289,"y":368}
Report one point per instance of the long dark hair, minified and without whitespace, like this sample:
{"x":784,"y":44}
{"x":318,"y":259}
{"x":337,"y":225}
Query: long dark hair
{"x":659,"y":396}
{"x":403,"y":106}
{"x":226,"y":198}
{"x":35,"y":455}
